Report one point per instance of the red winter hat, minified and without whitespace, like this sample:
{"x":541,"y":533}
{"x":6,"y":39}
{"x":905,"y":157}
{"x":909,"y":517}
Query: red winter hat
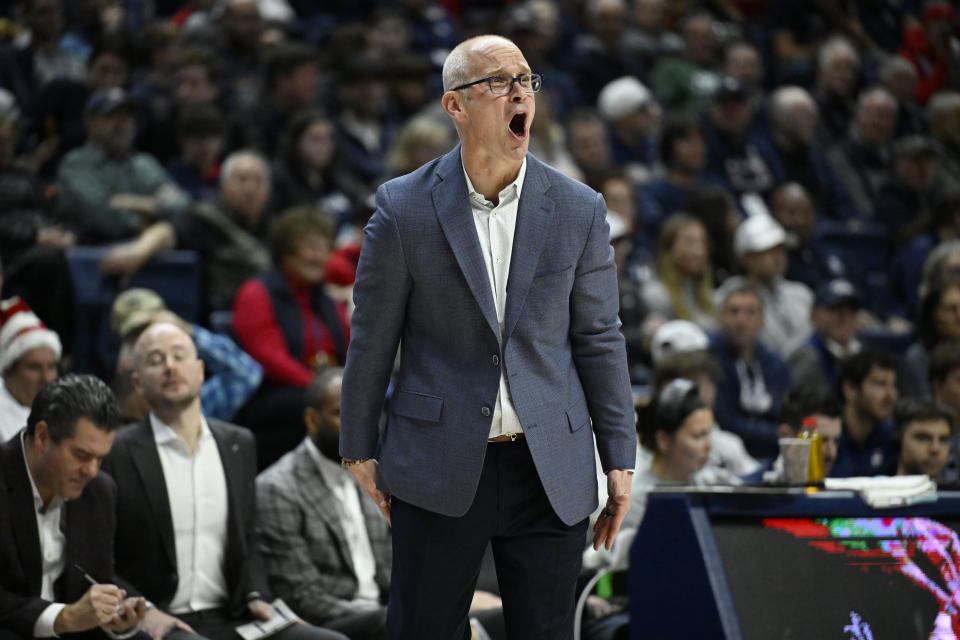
{"x":20,"y":331}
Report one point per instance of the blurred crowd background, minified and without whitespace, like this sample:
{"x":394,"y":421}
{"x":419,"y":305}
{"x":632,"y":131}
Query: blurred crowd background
{"x":802,"y":152}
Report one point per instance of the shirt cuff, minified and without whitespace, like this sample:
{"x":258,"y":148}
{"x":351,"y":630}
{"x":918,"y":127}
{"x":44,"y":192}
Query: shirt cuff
{"x":43,"y":627}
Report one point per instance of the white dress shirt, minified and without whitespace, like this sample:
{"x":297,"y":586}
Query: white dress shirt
{"x":197,"y":491}
{"x":53,"y":544}
{"x":495,"y":229}
{"x":13,"y":415}
{"x":347,"y":499}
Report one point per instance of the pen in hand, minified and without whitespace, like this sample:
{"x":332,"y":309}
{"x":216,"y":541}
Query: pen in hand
{"x":119,"y":608}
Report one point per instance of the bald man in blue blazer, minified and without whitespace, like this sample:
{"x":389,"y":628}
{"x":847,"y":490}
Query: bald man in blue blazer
{"x":494,"y":275}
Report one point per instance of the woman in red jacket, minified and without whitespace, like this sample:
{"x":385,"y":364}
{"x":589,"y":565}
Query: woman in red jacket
{"x":289,"y":324}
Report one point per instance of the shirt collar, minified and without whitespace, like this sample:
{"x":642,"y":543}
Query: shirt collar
{"x":6,"y":392}
{"x":329,"y":470}
{"x":164,"y":435}
{"x":517,"y":182}
{"x":837,"y":350}
{"x":57,"y":501}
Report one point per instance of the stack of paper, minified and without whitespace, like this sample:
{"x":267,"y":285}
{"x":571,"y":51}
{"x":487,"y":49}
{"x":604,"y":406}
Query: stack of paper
{"x":282,"y":618}
{"x":888,"y":491}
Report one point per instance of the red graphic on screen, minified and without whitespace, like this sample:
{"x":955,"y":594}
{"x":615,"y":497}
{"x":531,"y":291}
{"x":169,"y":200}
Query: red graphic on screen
{"x":891,"y":545}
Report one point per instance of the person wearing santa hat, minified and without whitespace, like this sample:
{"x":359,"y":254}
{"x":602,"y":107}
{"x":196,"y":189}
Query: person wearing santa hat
{"x":29,"y":355}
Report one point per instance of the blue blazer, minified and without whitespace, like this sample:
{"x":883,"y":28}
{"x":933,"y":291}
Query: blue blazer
{"x":422,"y":283}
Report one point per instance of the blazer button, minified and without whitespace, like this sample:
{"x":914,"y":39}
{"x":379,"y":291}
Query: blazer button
{"x":485,"y":411}
{"x":496,"y":360}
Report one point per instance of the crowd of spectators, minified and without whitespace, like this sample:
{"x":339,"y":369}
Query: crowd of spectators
{"x":782,"y":179}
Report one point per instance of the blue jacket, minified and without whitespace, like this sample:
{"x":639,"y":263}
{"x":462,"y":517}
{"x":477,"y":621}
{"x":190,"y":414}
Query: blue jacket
{"x":741,"y":165}
{"x":874,"y":458}
{"x":422,"y":283}
{"x":759,"y":432}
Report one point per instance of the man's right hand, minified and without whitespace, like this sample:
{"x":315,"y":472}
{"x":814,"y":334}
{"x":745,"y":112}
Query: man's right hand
{"x":365,"y":474}
{"x":98,"y":606}
{"x":158,"y":624}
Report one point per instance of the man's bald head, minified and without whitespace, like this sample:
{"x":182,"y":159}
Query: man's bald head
{"x":790,"y":193}
{"x":792,"y":207}
{"x":458,"y":67}
{"x":876,"y":116}
{"x":168,"y":372}
{"x":786,"y":101}
{"x":794,"y":113}
{"x":159,"y":332}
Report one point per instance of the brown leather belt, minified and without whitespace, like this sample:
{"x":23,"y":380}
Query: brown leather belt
{"x":507,"y":437}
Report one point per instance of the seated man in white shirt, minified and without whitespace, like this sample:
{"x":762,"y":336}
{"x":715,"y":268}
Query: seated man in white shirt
{"x":326,"y":548}
{"x":57,"y":519}
{"x":29,"y":355}
{"x":186,"y":504}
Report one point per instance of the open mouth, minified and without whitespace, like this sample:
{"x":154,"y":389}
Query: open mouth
{"x":518,"y":125}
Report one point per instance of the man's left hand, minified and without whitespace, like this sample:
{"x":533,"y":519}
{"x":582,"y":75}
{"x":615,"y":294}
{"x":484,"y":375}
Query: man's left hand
{"x":157,"y":624}
{"x":260,"y":609}
{"x":618,"y":503}
{"x":130,"y":616}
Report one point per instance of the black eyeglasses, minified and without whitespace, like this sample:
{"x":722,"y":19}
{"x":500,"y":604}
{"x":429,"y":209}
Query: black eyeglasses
{"x":529,"y":82}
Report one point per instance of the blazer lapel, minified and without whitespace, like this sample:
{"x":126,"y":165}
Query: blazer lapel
{"x":23,"y":514}
{"x":323,"y":503}
{"x":535,"y":215}
{"x":143,"y":450}
{"x":228,"y":450}
{"x":78,"y":552}
{"x":452,"y":205}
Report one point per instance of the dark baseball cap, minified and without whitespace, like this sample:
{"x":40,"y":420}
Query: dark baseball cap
{"x":837,"y":293}
{"x":107,"y":101}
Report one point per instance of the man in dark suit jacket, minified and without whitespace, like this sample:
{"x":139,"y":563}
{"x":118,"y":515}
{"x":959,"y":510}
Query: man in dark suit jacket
{"x":57,"y":516}
{"x":495,"y":276}
{"x":186,"y":503}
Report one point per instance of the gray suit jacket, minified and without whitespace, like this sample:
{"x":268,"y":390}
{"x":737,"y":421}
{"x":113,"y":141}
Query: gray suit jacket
{"x":303,"y":544}
{"x":422,"y":283}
